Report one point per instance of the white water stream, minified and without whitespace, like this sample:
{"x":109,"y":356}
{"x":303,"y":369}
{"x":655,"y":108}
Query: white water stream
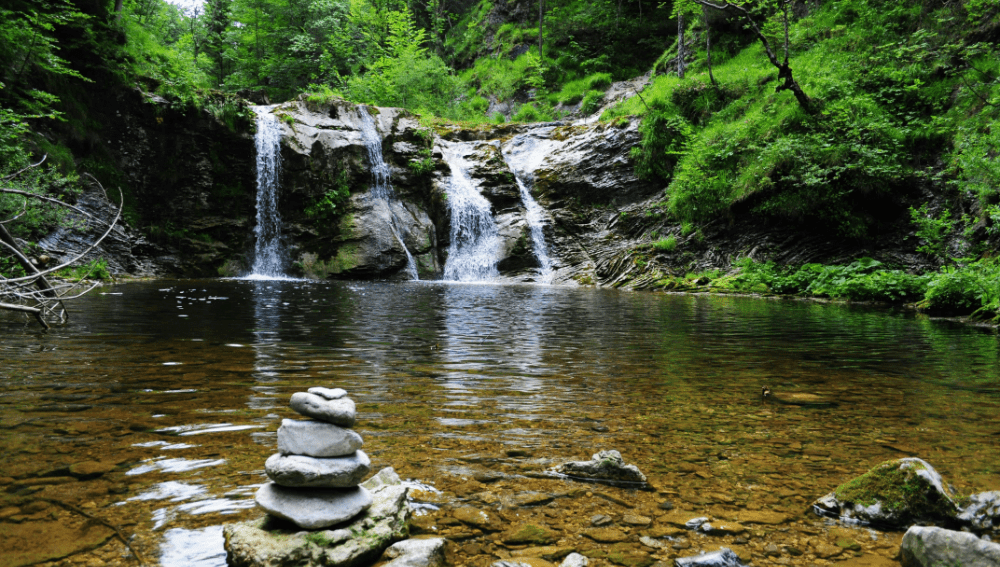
{"x":382,"y":187}
{"x":268,"y":259}
{"x":475,"y":241}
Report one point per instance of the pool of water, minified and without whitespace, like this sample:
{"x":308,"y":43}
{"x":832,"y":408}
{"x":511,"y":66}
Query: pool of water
{"x":155,"y":408}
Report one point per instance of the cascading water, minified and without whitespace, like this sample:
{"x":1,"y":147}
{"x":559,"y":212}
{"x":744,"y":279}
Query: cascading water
{"x":475,"y":240}
{"x":528,"y":157}
{"x":382,"y":187}
{"x":534,"y":214}
{"x":268,"y":253}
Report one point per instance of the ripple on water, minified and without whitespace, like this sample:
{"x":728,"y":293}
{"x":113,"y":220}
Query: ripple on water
{"x":193,"y":548}
{"x":173,"y":491}
{"x":163,"y":464}
{"x":202,"y":428}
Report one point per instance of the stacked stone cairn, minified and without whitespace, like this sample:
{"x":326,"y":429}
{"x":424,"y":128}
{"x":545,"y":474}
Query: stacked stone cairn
{"x":316,"y":472}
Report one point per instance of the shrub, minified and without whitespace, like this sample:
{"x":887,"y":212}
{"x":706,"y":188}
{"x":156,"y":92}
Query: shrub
{"x":591,"y":102}
{"x":668,"y":244}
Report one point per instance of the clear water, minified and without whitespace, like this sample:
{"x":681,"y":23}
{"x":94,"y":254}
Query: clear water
{"x":269,"y":258}
{"x":474,"y":249}
{"x":182,"y":385}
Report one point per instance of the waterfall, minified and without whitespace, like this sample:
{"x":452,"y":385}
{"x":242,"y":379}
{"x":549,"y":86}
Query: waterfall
{"x":536,"y":220}
{"x":268,"y":254}
{"x":525,"y":151}
{"x":382,"y":188}
{"x":475,"y":240}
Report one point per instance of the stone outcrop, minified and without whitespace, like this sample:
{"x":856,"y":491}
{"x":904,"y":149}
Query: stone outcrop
{"x":933,"y":547}
{"x":893,"y":494}
{"x":266,"y":542}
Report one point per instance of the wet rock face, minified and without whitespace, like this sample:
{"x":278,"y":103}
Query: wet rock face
{"x":893,"y":494}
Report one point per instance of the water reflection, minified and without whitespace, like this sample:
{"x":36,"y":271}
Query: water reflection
{"x":450,"y":377}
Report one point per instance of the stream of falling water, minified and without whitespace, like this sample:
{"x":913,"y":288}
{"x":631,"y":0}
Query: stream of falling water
{"x":382,"y":187}
{"x":268,"y":253}
{"x":475,"y":240}
{"x":535,"y":216}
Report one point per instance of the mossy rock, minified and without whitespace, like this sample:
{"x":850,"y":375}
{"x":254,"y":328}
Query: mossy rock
{"x":895,"y":494}
{"x":529,"y":534}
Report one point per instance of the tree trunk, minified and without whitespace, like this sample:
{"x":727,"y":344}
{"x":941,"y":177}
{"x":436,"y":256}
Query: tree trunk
{"x":541,"y":21}
{"x":680,"y":45}
{"x":118,"y":10}
{"x":708,"y":55}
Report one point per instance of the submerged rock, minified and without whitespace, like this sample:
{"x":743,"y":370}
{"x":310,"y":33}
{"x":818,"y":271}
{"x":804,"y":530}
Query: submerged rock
{"x":982,"y":511}
{"x":266,"y":542}
{"x":314,"y":508}
{"x":334,"y":472}
{"x":724,"y":557}
{"x":893,"y":494}
{"x":604,"y":466}
{"x":416,"y":553}
{"x":340,"y":411}
{"x":932,"y":547}
{"x":316,"y":439}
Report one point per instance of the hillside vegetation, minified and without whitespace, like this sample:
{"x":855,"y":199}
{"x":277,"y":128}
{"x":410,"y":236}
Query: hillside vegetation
{"x":850,"y":118}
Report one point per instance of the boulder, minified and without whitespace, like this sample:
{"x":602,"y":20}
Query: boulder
{"x":340,"y":411}
{"x":603,"y":466}
{"x":982,"y":511}
{"x":267,"y":543}
{"x":932,"y":547}
{"x":894,"y":494}
{"x":724,"y":557}
{"x":328,"y":393}
{"x":334,"y":472}
{"x":313,"y":508}
{"x":416,"y":553}
{"x":316,"y":439}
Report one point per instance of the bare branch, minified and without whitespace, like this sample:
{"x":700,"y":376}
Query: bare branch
{"x":19,"y":172}
{"x":24,"y":210}
{"x":80,"y":256}
{"x":51,"y":200}
{"x":25,"y":309}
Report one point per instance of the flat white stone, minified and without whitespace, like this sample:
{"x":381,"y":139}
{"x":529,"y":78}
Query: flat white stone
{"x":328,"y":393}
{"x":334,"y":472}
{"x":316,"y":439}
{"x":312,"y":508}
{"x":338,"y":412}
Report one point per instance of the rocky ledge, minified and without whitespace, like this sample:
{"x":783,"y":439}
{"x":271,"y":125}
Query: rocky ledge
{"x":271,"y":542}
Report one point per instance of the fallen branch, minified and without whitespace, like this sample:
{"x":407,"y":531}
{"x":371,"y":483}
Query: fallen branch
{"x":101,"y":521}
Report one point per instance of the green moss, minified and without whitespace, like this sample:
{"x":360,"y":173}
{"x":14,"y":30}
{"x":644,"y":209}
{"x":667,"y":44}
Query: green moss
{"x":899,"y":490}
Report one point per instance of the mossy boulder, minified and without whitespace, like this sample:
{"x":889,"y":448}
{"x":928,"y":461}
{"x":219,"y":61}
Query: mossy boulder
{"x":894,"y":494}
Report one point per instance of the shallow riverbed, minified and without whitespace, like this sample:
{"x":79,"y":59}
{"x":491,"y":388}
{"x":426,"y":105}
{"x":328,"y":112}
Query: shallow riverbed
{"x":155,"y":408}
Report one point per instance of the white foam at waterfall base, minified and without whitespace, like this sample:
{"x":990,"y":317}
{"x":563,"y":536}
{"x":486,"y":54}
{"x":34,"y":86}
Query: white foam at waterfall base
{"x":268,"y":253}
{"x":475,"y":241}
{"x":382,"y":186}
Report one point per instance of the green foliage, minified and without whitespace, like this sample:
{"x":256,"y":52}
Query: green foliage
{"x":93,"y":270}
{"x":424,"y":165}
{"x":668,"y":244}
{"x":664,"y":140}
{"x":331,"y":204}
{"x":591,"y":102}
{"x":973,"y":287}
{"x":931,"y":231}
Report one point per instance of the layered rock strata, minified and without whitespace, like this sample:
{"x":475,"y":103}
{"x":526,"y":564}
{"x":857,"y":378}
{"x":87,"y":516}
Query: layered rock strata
{"x":315,"y":474}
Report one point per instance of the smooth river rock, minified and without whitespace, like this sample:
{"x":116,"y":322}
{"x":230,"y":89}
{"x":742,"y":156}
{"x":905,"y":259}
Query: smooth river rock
{"x":338,"y":412}
{"x":982,"y":511}
{"x":936,"y":547}
{"x":328,"y":393}
{"x":724,"y":557}
{"x":265,"y":543}
{"x":313,"y":508}
{"x":427,"y":552}
{"x":604,"y":466}
{"x":302,"y":472}
{"x":316,"y":439}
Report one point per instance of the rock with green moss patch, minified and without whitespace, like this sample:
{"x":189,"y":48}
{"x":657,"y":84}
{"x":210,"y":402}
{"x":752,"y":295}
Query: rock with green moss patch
{"x":893,"y":494}
{"x":268,"y":542}
{"x":528,"y":534}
